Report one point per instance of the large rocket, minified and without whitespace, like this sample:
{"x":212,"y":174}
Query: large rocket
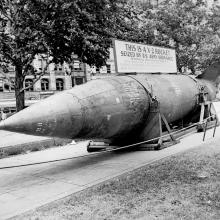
{"x":114,"y":108}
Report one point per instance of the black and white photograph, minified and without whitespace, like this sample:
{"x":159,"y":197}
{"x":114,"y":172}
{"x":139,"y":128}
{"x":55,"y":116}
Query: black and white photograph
{"x":109,"y":109}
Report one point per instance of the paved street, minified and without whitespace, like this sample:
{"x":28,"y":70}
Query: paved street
{"x":25,"y":188}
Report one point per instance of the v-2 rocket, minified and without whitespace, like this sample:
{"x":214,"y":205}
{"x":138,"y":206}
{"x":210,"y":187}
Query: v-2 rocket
{"x":114,"y":108}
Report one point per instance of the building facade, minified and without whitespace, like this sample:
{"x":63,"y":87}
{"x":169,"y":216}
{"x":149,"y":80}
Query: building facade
{"x":57,"y":78}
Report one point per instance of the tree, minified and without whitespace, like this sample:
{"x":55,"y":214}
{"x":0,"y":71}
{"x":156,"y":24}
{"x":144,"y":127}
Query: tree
{"x":214,"y":22}
{"x":186,"y":26}
{"x":57,"y":29}
{"x":133,"y":24}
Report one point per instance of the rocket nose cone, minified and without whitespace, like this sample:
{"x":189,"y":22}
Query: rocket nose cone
{"x":2,"y":125}
{"x":59,"y":115}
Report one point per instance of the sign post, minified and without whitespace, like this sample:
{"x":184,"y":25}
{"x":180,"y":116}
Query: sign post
{"x":139,"y":58}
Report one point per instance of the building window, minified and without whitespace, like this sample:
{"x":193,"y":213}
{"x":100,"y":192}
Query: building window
{"x":76,"y":65}
{"x":79,"y":80}
{"x":97,"y":70}
{"x":108,"y":66}
{"x":6,"y":87}
{"x":29,"y":83}
{"x":44,"y":84}
{"x":59,"y":84}
{"x":59,"y":67}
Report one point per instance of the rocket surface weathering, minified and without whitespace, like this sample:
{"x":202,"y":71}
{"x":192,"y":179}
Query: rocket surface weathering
{"x":115,"y":108}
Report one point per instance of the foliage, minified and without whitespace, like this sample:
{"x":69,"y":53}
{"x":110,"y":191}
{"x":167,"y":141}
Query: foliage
{"x":82,"y":27}
{"x":186,"y":26}
{"x":59,"y":28}
{"x":56,"y":28}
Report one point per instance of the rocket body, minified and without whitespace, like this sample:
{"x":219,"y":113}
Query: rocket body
{"x":113,"y":108}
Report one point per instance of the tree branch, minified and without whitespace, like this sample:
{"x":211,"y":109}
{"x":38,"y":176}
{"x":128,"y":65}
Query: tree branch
{"x":28,"y":64}
{"x":10,"y":58}
{"x":38,"y":78}
{"x":4,"y":13}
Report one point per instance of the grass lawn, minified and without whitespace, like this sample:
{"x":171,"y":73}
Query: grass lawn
{"x":185,"y":186}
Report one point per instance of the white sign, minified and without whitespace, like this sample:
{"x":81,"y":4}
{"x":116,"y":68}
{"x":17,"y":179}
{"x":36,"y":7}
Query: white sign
{"x":140,"y":58}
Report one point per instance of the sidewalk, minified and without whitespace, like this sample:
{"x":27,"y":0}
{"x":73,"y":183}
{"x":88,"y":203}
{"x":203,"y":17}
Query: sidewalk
{"x":26,"y":188}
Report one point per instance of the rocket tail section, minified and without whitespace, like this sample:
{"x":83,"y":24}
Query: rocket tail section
{"x":212,"y":74}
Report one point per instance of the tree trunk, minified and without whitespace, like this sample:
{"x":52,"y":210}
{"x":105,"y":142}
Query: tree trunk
{"x":193,"y":71}
{"x":19,"y":80}
{"x":85,"y":72}
{"x":72,"y":75}
{"x":180,"y":70}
